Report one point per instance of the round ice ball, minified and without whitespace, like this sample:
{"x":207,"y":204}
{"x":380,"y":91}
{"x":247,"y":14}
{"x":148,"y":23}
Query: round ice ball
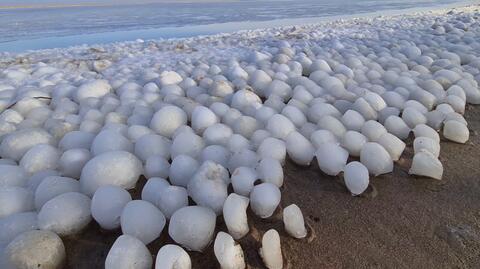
{"x":53,"y":186}
{"x":157,"y":166}
{"x":264,"y":199}
{"x":393,"y":145}
{"x":142,"y":220}
{"x":331,"y":158}
{"x":150,"y":145}
{"x":128,"y":252}
{"x":182,"y":169}
{"x":456,"y":131}
{"x":172,"y":257}
{"x":272,"y":148}
{"x":202,"y":118}
{"x":72,"y":161}
{"x":124,"y":169}
{"x":192,"y":227}
{"x":353,"y":141}
{"x":36,"y":249}
{"x":376,"y":158}
{"x":65,"y":214}
{"x":299,"y":149}
{"x":166,"y":120}
{"x":107,"y":206}
{"x":243,"y":179}
{"x":15,"y":200}
{"x":110,"y":140}
{"x":15,"y":224}
{"x":95,"y":88}
{"x":12,"y":175}
{"x":217,"y":134}
{"x":280,"y":126}
{"x":76,"y":140}
{"x":356,"y":177}
{"x":187,"y":143}
{"x":270,"y":170}
{"x":16,"y":144}
{"x":40,"y":157}
{"x":271,"y":251}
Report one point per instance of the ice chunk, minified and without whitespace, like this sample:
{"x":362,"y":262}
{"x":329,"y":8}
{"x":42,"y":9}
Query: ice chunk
{"x":36,"y":249}
{"x":272,"y":148}
{"x":15,"y":200}
{"x":413,"y":117}
{"x":96,"y":88}
{"x":244,"y":157}
{"x":376,"y":158}
{"x":426,"y":144}
{"x":72,"y":162}
{"x":353,"y":141}
{"x":271,"y":251}
{"x":333,"y":125}
{"x":235,"y":215}
{"x":331,"y":158}
{"x":107,"y":206}
{"x":124,"y":169}
{"x":243,"y":179}
{"x":16,"y":144}
{"x":352,"y":120}
{"x":142,"y":220}
{"x":393,"y":145}
{"x":280,"y":126}
{"x":299,"y":149}
{"x":128,"y":252}
{"x":202,"y":118}
{"x":53,"y":186}
{"x":172,"y":257}
{"x":228,"y":252}
{"x":217,"y":134}
{"x":169,"y":78}
{"x":65,"y":214}
{"x":293,"y":221}
{"x":356,"y":177}
{"x":425,"y":164}
{"x":373,"y":130}
{"x":216,"y":153}
{"x":264,"y":199}
{"x":456,"y":131}
{"x":397,"y":126}
{"x":270,"y":170}
{"x":192,"y":227}
{"x":423,"y":130}
{"x":187,"y":143}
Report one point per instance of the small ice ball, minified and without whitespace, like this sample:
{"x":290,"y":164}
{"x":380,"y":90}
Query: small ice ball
{"x":157,"y":166}
{"x":152,"y":189}
{"x":65,"y":214}
{"x":208,"y":187}
{"x":331,"y":158}
{"x":142,"y":220}
{"x":317,"y":111}
{"x":280,"y":126}
{"x":192,"y":227}
{"x":426,"y":164}
{"x":202,"y":118}
{"x":352,"y":120}
{"x":15,"y":200}
{"x":172,"y":257}
{"x":124,"y":170}
{"x":353,"y":141}
{"x":333,"y":125}
{"x":258,"y":137}
{"x":95,"y":88}
{"x":245,"y":126}
{"x":299,"y":149}
{"x":293,"y":221}
{"x":271,"y":251}
{"x":376,"y":158}
{"x":40,"y":157}
{"x":373,"y":130}
{"x":243,"y":179}
{"x":15,"y":224}
{"x":76,"y":139}
{"x":397,"y":126}
{"x":110,"y":140}
{"x":72,"y":161}
{"x":38,"y":177}
{"x":166,"y":120}
{"x":364,"y":108}
{"x":128,"y":252}
{"x":53,"y":186}
{"x":270,"y":170}
{"x":244,"y":157}
{"x":12,"y":175}
{"x":273,"y":148}
{"x":36,"y":249}
{"x":423,"y":130}
{"x":216,"y":153}
{"x":413,"y":117}
{"x":150,"y":145}
{"x":235,"y":215}
{"x":217,"y":134}
{"x":228,"y":252}
{"x":426,"y":144}
{"x":238,"y":143}
{"x":320,"y":137}
{"x":456,"y":131}
{"x":264,"y":199}
{"x":387,"y":112}
{"x":182,"y":169}
{"x":393,"y":145}
{"x":295,"y":115}
{"x":107,"y":206}
{"x":356,"y":177}
{"x":187,"y":143}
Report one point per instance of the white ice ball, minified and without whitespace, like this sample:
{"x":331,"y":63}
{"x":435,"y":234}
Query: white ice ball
{"x":15,"y":200}
{"x":426,"y":144}
{"x":128,"y":252}
{"x":76,"y":139}
{"x":264,"y":199}
{"x":107,"y":206}
{"x":270,"y":170}
{"x":280,"y":126}
{"x":187,"y":143}
{"x":228,"y":252}
{"x":172,"y":257}
{"x":299,"y":149}
{"x":40,"y":157}
{"x":202,"y":118}
{"x":15,"y":224}
{"x":243,"y":179}
{"x":142,"y":220}
{"x":271,"y":251}
{"x":12,"y":175}
{"x":456,"y":131}
{"x":393,"y":145}
{"x":235,"y":215}
{"x":373,"y":130}
{"x":166,"y":120}
{"x":157,"y":166}
{"x":293,"y":221}
{"x":426,"y":164}
{"x":353,"y":141}
{"x":110,"y":140}
{"x":376,"y":158}
{"x":72,"y":161}
{"x":182,"y":169}
{"x":150,"y":145}
{"x":331,"y":158}
{"x":356,"y":177}
{"x":272,"y":148}
{"x":53,"y":186}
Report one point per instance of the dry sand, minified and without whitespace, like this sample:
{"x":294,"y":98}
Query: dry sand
{"x":412,"y":222}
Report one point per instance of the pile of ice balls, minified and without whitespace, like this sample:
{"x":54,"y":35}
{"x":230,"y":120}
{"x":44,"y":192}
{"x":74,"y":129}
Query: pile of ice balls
{"x":75,"y":136}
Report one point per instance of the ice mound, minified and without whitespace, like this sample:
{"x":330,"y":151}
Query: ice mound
{"x":119,"y":168}
{"x":172,"y":257}
{"x":192,"y":227}
{"x":36,"y":249}
{"x":66,"y":214}
{"x":293,"y":221}
{"x":107,"y":206}
{"x":271,"y":251}
{"x":229,"y":253}
{"x":128,"y":252}
{"x":142,"y":220}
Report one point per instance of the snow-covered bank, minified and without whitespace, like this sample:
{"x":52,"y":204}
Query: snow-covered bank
{"x":196,"y":115}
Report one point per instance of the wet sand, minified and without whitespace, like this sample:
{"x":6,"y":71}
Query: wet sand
{"x":411,"y":222}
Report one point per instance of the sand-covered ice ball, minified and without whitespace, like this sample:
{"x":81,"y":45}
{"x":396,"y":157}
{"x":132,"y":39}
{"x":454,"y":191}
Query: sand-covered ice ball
{"x":128,"y":252}
{"x":65,"y":214}
{"x":264,"y":199}
{"x":107,"y":206}
{"x":192,"y":227}
{"x":172,"y":257}
{"x":142,"y":220}
{"x":119,"y":168}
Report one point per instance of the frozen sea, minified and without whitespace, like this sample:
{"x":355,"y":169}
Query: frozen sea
{"x":38,"y":28}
